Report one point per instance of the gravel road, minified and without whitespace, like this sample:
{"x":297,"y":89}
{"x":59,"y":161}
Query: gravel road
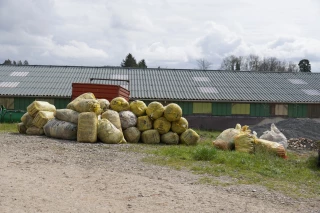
{"x":39,"y":174}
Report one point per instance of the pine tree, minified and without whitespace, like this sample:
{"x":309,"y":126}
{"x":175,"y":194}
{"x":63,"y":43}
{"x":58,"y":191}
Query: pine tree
{"x":7,"y":62}
{"x":142,"y":64}
{"x":130,"y":61}
{"x":304,"y":65}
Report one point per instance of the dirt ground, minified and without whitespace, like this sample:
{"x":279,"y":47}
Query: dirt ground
{"x":39,"y":174}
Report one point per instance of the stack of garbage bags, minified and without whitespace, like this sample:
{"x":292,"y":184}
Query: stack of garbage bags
{"x":243,"y":140}
{"x":87,"y":119}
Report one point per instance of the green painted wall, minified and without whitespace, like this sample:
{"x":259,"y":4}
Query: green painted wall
{"x":187,"y":107}
{"x":259,"y":110}
{"x":22,"y":103}
{"x":61,"y":103}
{"x":221,"y":109}
{"x":297,"y":110}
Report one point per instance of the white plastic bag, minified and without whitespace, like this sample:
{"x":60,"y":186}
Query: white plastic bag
{"x":275,"y":135}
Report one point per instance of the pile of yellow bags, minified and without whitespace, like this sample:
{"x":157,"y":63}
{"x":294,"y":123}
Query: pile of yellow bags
{"x":87,"y":119}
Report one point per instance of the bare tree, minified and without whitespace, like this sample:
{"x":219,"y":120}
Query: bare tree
{"x":203,"y":64}
{"x":231,"y":63}
{"x":252,"y":62}
{"x":292,"y":67}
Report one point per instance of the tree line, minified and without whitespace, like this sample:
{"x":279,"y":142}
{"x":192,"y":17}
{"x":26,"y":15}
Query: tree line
{"x":255,"y":63}
{"x":250,"y":62}
{"x":18,"y":63}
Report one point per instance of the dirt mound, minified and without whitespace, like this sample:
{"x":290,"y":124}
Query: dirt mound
{"x":294,"y":128}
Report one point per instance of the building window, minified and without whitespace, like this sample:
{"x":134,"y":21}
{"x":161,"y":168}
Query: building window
{"x":202,"y":108}
{"x":240,"y":109}
{"x":8,"y":103}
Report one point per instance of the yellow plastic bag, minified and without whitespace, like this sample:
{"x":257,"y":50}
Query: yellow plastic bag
{"x":88,"y":105}
{"x":42,"y":118}
{"x":172,"y":112}
{"x":87,"y":95}
{"x":144,"y":123}
{"x":108,"y":133}
{"x":155,"y":110}
{"x":119,"y":104}
{"x":37,"y":106}
{"x":22,"y":129}
{"x":180,"y":125}
{"x":132,"y":135}
{"x":170,"y":138}
{"x":138,"y":108}
{"x":87,"y":127}
{"x":189,"y":137}
{"x":162,"y":125}
{"x":27,"y":120}
{"x":150,"y":136}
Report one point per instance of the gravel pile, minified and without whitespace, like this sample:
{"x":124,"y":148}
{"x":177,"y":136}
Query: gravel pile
{"x":302,"y":144}
{"x":294,"y":128}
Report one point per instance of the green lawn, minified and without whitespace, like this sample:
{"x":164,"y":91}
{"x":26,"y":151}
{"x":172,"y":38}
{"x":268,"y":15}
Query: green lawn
{"x":8,"y":127}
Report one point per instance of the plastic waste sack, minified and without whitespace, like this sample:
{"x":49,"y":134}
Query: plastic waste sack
{"x":155,"y":110}
{"x":132,"y":135}
{"x":150,"y":136}
{"x":225,"y":140}
{"x":180,"y":125}
{"x":68,"y":115}
{"x":271,"y":146}
{"x":27,"y":120}
{"x":275,"y":135}
{"x":42,"y":118}
{"x":189,"y":137}
{"x":87,"y":95}
{"x":138,"y":108}
{"x":144,"y":123}
{"x":113,"y":117}
{"x":22,"y":129}
{"x":108,"y":133}
{"x":60,"y":129}
{"x":162,"y":125}
{"x":119,"y":104}
{"x":87,"y":127}
{"x":33,"y":130}
{"x":104,"y":104}
{"x":37,"y":106}
{"x":87,"y":105}
{"x":170,"y":138}
{"x":172,"y":112}
{"x":127,"y":119}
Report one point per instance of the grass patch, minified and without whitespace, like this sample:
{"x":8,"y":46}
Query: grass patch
{"x":297,"y":176}
{"x":8,"y":127}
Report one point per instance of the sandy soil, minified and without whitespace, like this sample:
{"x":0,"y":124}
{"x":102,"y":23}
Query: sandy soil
{"x":39,"y":174}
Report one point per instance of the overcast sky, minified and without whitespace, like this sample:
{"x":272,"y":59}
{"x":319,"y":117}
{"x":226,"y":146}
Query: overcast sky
{"x":166,"y":33}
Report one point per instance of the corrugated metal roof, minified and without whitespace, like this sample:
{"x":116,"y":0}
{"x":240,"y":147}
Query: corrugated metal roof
{"x":172,"y":84}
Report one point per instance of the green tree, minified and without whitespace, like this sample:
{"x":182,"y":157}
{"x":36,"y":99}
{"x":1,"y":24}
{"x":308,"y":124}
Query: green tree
{"x":129,"y":61}
{"x":7,"y":62}
{"x":142,"y":64}
{"x":304,"y":65}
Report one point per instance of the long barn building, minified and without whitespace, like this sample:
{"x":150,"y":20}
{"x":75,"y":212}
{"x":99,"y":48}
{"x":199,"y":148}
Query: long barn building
{"x":209,"y":99}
